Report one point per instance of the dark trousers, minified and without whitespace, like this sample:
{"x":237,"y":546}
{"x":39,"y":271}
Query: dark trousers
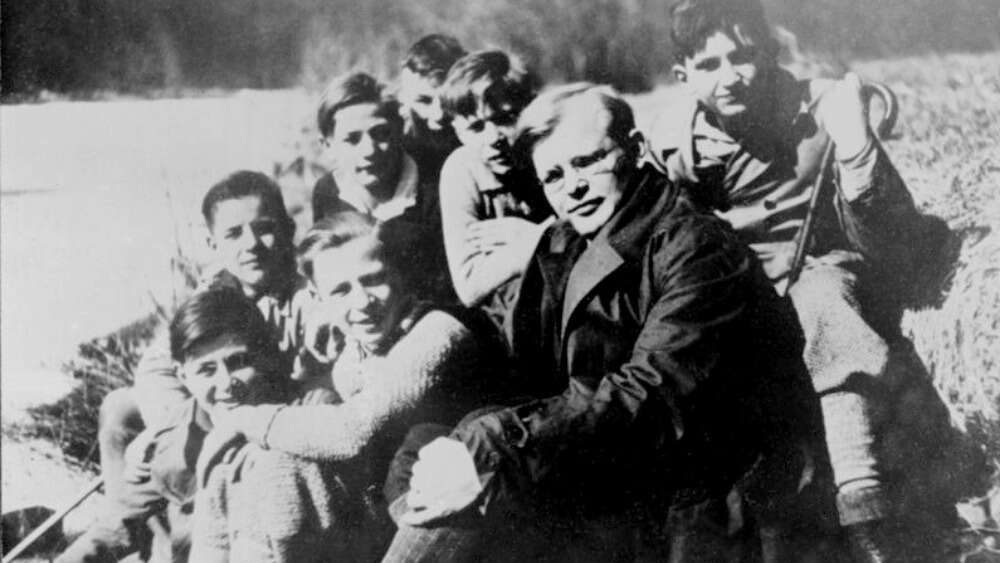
{"x":721,"y":529}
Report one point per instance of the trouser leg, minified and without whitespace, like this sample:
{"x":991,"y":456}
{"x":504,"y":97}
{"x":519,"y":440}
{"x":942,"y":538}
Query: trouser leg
{"x":882,"y":417}
{"x":113,"y":535}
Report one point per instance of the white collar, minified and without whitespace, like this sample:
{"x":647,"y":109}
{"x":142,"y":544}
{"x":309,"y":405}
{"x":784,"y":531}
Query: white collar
{"x":404,"y":197}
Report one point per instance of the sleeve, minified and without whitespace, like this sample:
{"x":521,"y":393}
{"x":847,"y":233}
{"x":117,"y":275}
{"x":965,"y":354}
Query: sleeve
{"x":699,"y":277}
{"x":158,"y":390}
{"x":670,"y":142}
{"x":474,"y":274}
{"x":438,"y":345}
{"x":326,"y":198}
{"x":209,"y":536}
{"x":877,"y":211}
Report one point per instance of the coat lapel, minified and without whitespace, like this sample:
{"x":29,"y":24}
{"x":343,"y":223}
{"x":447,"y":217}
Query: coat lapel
{"x":595,"y":264}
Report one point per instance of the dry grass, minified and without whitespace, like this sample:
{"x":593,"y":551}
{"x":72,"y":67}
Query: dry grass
{"x":947,"y":151}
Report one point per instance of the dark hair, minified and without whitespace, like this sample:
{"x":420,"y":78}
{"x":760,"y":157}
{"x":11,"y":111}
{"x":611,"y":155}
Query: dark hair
{"x":337,"y":230}
{"x":433,"y":55}
{"x":354,"y":89}
{"x":694,"y":21}
{"x":476,"y":77}
{"x":246,"y":183}
{"x":211,"y":313}
{"x":600,"y":104}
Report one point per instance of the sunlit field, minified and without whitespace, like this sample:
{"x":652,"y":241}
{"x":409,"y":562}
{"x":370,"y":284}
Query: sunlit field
{"x":98,"y":197}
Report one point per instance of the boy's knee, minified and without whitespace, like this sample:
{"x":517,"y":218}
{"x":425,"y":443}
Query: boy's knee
{"x":119,"y":409}
{"x":119,"y":419}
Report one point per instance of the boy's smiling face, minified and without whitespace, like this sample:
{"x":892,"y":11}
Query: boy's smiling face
{"x":728,"y":75}
{"x":366,"y":147}
{"x":250,"y":241}
{"x":225,"y":372}
{"x":358,"y":290}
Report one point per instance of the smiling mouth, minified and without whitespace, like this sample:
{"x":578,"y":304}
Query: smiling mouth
{"x":588,"y":207}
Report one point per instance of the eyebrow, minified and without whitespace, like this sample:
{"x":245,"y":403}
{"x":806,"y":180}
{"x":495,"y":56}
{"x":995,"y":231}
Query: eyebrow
{"x":588,"y":159}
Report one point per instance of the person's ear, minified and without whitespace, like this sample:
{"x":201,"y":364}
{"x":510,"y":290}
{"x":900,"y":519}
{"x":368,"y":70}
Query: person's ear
{"x":637,"y":144}
{"x":210,"y":241}
{"x":680,"y":73}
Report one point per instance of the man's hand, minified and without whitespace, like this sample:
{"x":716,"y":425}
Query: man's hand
{"x":843,"y":112}
{"x":444,"y":482}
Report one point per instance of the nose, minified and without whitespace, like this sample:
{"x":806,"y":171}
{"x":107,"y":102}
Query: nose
{"x":358,"y":297}
{"x":366,"y":146}
{"x":580,"y":188}
{"x":495,"y":136}
{"x":434,"y":113}
{"x":728,"y":74}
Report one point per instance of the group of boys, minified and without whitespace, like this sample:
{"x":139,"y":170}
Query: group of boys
{"x":681,"y":388}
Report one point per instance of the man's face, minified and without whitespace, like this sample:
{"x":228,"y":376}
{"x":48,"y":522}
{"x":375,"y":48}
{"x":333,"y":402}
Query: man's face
{"x":365,"y":147}
{"x":357,"y":291}
{"x":225,"y":372}
{"x":488,"y":132}
{"x":419,"y":95}
{"x":582,"y":172}
{"x":250,"y":241}
{"x":728,"y":76}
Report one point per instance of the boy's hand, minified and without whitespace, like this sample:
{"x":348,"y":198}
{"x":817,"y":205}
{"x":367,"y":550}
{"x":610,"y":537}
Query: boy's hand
{"x":843,"y":112}
{"x":444,"y":482}
{"x":491,"y":234}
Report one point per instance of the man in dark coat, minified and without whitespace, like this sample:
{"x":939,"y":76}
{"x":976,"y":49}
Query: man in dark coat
{"x":651,"y":345}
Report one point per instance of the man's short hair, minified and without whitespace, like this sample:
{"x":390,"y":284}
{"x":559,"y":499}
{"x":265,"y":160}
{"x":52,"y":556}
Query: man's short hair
{"x":337,"y":230}
{"x":216,"y":311}
{"x":246,"y":183}
{"x":433,"y":55}
{"x":354,"y":89}
{"x":580,"y":101}
{"x":476,"y":77}
{"x":694,"y":21}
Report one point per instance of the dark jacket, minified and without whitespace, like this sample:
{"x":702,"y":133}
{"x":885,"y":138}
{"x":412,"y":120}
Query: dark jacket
{"x":659,"y":357}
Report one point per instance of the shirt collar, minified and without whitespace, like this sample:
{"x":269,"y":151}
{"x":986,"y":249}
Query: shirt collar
{"x":404,"y":196}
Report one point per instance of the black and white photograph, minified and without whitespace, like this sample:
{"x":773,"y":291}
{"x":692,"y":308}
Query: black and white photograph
{"x":457,"y":281}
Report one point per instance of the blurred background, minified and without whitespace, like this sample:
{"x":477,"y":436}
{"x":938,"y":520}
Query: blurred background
{"x":85,"y":48}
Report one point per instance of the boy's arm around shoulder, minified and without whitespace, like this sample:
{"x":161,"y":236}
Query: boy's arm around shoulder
{"x":438,"y":347}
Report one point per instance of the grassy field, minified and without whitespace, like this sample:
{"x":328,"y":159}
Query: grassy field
{"x":88,"y":232}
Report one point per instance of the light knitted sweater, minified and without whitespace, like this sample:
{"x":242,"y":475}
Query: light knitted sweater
{"x":419,"y":376}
